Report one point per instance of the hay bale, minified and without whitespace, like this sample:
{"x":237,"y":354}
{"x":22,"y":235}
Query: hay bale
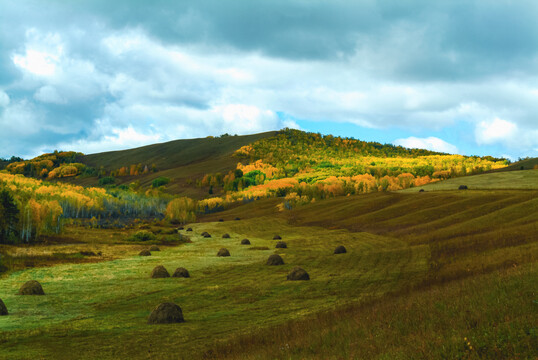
{"x":463,"y":187}
{"x":159,"y":272}
{"x":221,"y":220}
{"x":340,"y":250}
{"x":237,"y":218}
{"x":298,"y":274}
{"x":189,"y":229}
{"x":245,"y":242}
{"x":166,"y":313}
{"x":281,"y":245}
{"x":226,"y":236}
{"x":207,"y":235}
{"x":204,"y":233}
{"x":144,"y":253}
{"x":181,"y":272}
{"x":31,"y":287}
{"x":421,"y":190}
{"x":3,"y":308}
{"x":277,"y":237}
{"x":154,"y":248}
{"x":223,"y":252}
{"x":275,"y":259}
{"x":87,"y":253}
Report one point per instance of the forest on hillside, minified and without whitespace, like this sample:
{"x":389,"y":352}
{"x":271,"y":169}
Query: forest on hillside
{"x":297,"y":166}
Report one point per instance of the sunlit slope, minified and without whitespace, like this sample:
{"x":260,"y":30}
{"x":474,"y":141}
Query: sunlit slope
{"x":526,"y":179}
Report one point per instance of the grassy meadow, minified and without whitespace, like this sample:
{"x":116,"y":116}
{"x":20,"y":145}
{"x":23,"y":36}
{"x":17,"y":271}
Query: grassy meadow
{"x":395,"y":294}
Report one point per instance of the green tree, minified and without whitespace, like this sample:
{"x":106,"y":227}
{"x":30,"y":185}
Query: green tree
{"x":9,"y":217}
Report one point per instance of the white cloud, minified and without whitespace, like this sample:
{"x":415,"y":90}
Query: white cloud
{"x":429,"y":143}
{"x":4,"y":99}
{"x":49,"y":94}
{"x":495,"y":131}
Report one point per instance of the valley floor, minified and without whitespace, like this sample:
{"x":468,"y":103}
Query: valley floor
{"x":423,"y":272}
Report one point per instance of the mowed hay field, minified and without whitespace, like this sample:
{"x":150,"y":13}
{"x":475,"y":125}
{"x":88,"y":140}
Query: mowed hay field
{"x":100,"y":310}
{"x":435,"y":274}
{"x":516,"y":179}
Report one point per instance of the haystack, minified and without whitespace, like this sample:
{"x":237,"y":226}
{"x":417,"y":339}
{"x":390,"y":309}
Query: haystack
{"x":277,"y":237}
{"x":204,"y":233}
{"x":166,"y":313}
{"x":237,"y":218}
{"x":245,"y":242}
{"x":207,"y":235}
{"x":221,"y":220}
{"x":463,"y":187}
{"x":223,"y":252}
{"x":189,"y":229}
{"x":31,"y":287}
{"x":275,"y":259}
{"x":281,"y":245}
{"x":421,"y":190}
{"x":159,"y":272}
{"x":154,"y":248}
{"x":180,"y":228}
{"x":3,"y":308}
{"x":298,"y":274}
{"x":181,"y":272}
{"x":226,"y":236}
{"x":340,"y":250}
{"x":144,"y":253}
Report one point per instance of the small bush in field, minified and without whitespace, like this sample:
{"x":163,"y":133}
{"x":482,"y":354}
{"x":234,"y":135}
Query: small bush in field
{"x":160,"y":181}
{"x":142,"y":235}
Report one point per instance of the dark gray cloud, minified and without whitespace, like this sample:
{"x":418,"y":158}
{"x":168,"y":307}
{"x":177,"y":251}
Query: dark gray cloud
{"x":95,"y":73}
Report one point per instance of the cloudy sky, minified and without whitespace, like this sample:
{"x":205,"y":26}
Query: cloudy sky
{"x":455,"y":76}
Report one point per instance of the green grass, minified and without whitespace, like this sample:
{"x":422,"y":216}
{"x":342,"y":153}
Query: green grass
{"x":490,"y":316}
{"x":100,"y":310}
{"x":423,"y":271}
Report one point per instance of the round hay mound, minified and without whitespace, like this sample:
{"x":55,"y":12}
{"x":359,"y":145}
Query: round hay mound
{"x":277,"y":237}
{"x":275,"y":259}
{"x":298,"y":274}
{"x":189,"y":229}
{"x":180,"y":228}
{"x":223,"y":252}
{"x":207,"y":235}
{"x":3,"y":308}
{"x":281,"y":245}
{"x":159,"y":272}
{"x":31,"y":287}
{"x":166,"y":313}
{"x":421,"y":190}
{"x":154,"y":248}
{"x":463,"y":187}
{"x":144,"y":253}
{"x":245,"y":242}
{"x":204,"y":233}
{"x":221,"y":220}
{"x":237,"y":218}
{"x":340,"y":250}
{"x":226,"y":236}
{"x":181,"y":272}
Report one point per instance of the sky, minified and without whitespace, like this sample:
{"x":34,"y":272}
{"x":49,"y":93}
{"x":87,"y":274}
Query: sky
{"x":91,"y":76}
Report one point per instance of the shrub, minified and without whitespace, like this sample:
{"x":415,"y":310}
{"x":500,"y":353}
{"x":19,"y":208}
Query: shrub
{"x":107,"y":180}
{"x":160,"y":181}
{"x":142,"y":235}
